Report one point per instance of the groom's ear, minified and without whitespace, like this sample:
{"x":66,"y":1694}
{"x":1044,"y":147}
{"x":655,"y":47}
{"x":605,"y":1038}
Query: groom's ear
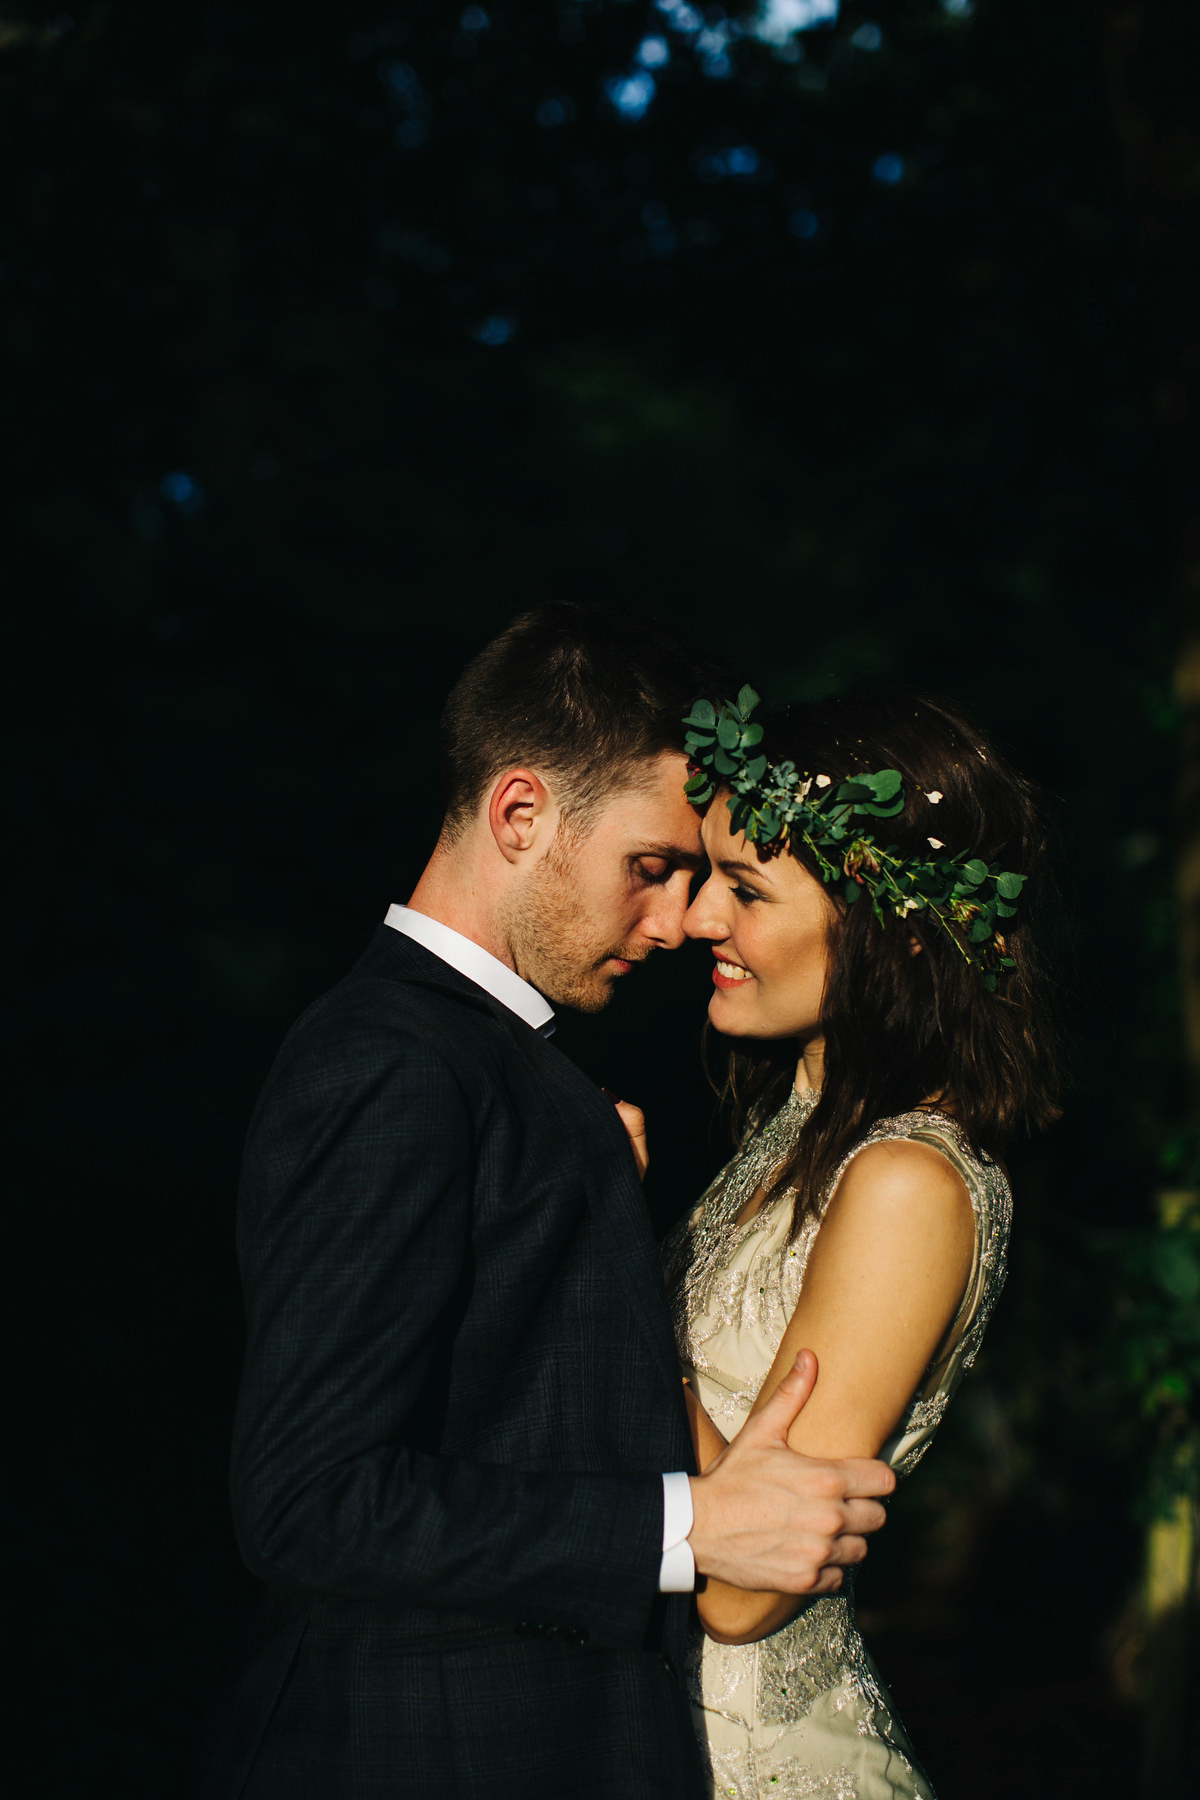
{"x":522,"y":814}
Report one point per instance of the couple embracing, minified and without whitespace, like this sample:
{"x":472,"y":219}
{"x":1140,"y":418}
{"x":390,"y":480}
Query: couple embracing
{"x":531,"y":1518}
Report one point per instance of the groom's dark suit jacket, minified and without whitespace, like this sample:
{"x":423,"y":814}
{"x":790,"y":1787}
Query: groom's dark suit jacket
{"x":460,"y":1394}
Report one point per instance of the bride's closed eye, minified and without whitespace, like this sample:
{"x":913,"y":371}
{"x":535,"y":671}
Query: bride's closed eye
{"x":744,"y":894}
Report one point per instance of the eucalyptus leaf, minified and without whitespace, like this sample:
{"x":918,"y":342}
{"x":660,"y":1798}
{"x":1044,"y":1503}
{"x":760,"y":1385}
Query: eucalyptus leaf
{"x":887,"y":783}
{"x":777,"y":803}
{"x":1177,"y":1265}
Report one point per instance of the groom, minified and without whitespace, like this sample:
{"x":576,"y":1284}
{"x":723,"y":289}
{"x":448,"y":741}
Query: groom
{"x":461,"y":1467}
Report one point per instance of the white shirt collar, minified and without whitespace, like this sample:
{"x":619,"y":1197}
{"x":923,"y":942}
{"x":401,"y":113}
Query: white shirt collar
{"x":476,"y":963}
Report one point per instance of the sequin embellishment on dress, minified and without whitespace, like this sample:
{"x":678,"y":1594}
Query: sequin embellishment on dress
{"x":803,"y":1713}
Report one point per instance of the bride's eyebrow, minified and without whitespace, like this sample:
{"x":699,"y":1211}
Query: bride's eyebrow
{"x":729,"y":867}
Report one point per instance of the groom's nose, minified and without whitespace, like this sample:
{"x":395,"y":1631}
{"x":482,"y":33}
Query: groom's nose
{"x":662,"y":922}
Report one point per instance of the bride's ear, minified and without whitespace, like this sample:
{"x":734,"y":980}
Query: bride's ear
{"x":520,"y":812}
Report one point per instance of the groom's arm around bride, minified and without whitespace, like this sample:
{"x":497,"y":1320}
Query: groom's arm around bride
{"x":461,"y":1395}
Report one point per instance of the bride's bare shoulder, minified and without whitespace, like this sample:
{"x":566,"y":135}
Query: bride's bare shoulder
{"x":900,"y":1184}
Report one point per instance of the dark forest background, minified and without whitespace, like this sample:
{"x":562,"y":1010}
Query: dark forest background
{"x":857,"y":341}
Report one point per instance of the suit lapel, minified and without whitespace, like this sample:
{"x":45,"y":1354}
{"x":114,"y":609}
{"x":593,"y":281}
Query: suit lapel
{"x":616,"y":1201}
{"x":620,"y":1213}
{"x":610,"y":1179}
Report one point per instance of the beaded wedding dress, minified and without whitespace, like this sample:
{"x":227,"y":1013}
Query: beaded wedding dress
{"x":803,"y":1712}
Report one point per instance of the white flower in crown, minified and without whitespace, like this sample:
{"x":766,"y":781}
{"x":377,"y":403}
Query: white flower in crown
{"x":936,"y":842}
{"x":904,"y":907}
{"x":934,"y":797}
{"x":823,"y":780}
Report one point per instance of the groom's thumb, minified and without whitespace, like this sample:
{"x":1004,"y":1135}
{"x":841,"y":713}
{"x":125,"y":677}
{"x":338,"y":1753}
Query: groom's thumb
{"x":775,"y":1419}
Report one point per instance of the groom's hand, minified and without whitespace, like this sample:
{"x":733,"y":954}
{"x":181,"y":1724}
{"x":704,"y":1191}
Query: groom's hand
{"x":772,"y":1520}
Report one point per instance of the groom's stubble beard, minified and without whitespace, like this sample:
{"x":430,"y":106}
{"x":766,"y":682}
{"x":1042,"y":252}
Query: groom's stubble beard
{"x":556,"y":944}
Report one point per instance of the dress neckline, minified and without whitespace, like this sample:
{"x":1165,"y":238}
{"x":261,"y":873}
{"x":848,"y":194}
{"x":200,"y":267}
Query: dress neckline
{"x":792,"y":1116}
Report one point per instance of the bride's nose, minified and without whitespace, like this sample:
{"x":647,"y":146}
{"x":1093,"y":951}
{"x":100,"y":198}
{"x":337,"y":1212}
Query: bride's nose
{"x":702,"y":918}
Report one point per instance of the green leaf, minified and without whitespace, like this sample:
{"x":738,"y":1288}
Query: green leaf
{"x":751,"y":735}
{"x":729,"y":733}
{"x":853,"y":791}
{"x":724,"y":765}
{"x":980,"y":932}
{"x":1177,"y":1267}
{"x":851,"y":891}
{"x":703,"y":713}
{"x":699,"y":787}
{"x":757,"y":769}
{"x":1005,"y":912}
{"x":1008,"y":886}
{"x":886,"y":783}
{"x":747,"y":701}
{"x":975,"y":871}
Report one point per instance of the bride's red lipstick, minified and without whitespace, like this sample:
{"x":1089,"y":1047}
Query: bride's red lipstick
{"x":726,"y":981}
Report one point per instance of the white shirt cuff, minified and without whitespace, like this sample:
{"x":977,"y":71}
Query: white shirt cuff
{"x":677,"y":1571}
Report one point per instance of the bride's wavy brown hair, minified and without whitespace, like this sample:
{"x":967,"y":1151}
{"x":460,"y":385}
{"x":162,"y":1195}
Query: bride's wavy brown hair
{"x":902,"y":1026}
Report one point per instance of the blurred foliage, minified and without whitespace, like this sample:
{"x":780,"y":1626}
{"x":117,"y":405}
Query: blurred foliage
{"x":1156,"y":1343}
{"x":330,"y":339}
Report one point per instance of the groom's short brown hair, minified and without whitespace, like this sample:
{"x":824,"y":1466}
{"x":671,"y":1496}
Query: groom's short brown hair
{"x":583,"y":693}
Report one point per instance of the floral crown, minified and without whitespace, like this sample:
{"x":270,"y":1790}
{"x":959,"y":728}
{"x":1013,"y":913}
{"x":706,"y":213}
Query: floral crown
{"x":769,"y":803}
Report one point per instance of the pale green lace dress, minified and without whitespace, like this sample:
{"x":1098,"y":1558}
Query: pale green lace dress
{"x":803,"y":1712}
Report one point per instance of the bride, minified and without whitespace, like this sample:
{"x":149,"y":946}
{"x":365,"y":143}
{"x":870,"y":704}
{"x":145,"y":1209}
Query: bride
{"x":875,"y":970}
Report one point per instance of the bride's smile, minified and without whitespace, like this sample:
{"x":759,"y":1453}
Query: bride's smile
{"x":769,"y":922}
{"x":728,"y":974}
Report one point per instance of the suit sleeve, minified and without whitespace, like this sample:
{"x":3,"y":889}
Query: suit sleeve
{"x":355,"y":1246}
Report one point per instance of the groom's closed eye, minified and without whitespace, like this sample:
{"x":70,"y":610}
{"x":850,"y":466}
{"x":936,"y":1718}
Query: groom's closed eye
{"x":657,"y":864}
{"x":654,"y":871}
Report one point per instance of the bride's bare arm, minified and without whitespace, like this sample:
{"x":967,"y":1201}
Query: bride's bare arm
{"x":885,"y":1278}
{"x":707,"y":1441}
